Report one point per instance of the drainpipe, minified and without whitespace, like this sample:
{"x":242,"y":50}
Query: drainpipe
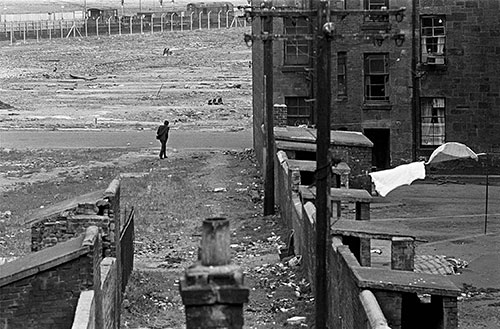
{"x":415,"y":80}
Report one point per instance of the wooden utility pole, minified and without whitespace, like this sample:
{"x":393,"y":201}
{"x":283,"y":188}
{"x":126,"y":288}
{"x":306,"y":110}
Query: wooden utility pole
{"x":267,"y":29}
{"x":323,"y":97}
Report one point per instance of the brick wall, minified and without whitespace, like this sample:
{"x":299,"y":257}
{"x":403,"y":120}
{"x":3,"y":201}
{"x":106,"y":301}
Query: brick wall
{"x":280,"y":115}
{"x":69,"y":223}
{"x":40,"y":294}
{"x":359,"y":160}
{"x":109,"y":286}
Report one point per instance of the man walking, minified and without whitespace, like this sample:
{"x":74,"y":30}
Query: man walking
{"x":162,"y":136}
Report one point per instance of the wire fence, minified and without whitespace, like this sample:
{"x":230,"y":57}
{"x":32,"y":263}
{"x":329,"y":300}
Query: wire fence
{"x":14,"y":31}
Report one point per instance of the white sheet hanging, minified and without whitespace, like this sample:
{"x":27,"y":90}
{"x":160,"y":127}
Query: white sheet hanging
{"x":387,"y":180}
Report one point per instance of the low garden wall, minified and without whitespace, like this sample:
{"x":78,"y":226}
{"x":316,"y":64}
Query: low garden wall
{"x":83,"y":253}
{"x":361,"y":296}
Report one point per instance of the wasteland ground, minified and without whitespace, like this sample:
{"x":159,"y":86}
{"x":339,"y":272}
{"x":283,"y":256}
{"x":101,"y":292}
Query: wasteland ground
{"x":135,"y":87}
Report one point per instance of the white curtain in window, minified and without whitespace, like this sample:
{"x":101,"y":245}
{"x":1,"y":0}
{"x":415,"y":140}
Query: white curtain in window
{"x":433,"y":125}
{"x":438,"y":103}
{"x":440,"y":46}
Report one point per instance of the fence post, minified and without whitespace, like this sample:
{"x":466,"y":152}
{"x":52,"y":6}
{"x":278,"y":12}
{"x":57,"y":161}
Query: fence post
{"x":142,"y":21}
{"x":182,"y":23}
{"x":120,"y":25}
{"x":130,"y":25}
{"x":161,"y":22}
{"x":11,"y":33}
{"x":208,"y":19}
{"x":191,"y":15}
{"x":24,"y":31}
{"x":212,"y":290}
{"x":86,"y":27}
{"x":61,"y":28}
{"x":218,"y":19}
{"x":74,"y":28}
{"x":109,"y":26}
{"x":227,"y":19}
{"x":152,"y":22}
{"x":49,"y":27}
{"x":172,"y":22}
{"x":199,"y":20}
{"x":97,"y":26}
{"x":37,"y":35}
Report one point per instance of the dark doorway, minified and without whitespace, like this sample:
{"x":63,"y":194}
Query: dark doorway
{"x":381,"y":153}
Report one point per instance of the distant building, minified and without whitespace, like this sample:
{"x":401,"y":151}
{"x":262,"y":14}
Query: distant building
{"x":408,"y":79}
{"x":102,"y":14}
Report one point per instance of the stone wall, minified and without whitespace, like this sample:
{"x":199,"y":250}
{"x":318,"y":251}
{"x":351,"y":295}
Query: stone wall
{"x":470,"y":79}
{"x":352,"y":111}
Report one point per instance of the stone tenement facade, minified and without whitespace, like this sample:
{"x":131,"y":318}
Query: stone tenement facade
{"x":408,"y":79}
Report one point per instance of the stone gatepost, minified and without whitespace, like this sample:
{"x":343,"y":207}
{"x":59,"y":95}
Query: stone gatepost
{"x":212,"y":290}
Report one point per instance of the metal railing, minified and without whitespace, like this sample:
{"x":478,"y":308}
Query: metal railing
{"x":127,"y":248}
{"x":172,"y":21}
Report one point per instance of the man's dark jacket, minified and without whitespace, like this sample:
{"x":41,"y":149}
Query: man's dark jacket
{"x":162,"y":133}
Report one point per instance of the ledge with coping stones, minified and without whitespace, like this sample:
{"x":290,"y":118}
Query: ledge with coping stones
{"x":395,"y":280}
{"x":338,"y":194}
{"x":47,"y":258}
{"x":308,"y":135}
{"x":66,"y":205}
{"x":368,"y":229}
{"x":91,"y":198}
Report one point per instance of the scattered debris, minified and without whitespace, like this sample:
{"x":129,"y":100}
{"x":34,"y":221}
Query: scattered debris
{"x":296,"y":320}
{"x":215,"y":101}
{"x":4,"y":106}
{"x":82,"y":77}
{"x":167,"y":52}
{"x":439,"y":264}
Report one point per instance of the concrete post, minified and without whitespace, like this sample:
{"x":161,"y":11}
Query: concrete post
{"x":402,"y":254}
{"x":212,"y":290}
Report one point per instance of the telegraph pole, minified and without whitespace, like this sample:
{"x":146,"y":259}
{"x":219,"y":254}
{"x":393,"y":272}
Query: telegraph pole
{"x":323,"y":101}
{"x":322,"y":36}
{"x":267,"y":29}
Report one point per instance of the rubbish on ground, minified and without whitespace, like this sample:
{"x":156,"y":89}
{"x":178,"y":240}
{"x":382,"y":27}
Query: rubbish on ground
{"x":296,"y":320}
{"x":82,"y":77}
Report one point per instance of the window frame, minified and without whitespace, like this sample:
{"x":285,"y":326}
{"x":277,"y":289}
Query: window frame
{"x":342,"y":74}
{"x":302,"y":109}
{"x":377,"y":6}
{"x":437,"y":130}
{"x":432,"y":39}
{"x":370,"y":76}
{"x":296,"y":52}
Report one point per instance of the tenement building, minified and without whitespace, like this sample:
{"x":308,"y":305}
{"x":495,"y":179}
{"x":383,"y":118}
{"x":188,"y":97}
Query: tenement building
{"x":409,"y":74}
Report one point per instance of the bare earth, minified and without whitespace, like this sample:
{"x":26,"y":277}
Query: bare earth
{"x":131,"y":86}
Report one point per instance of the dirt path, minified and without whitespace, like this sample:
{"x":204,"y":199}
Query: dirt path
{"x":216,"y":184}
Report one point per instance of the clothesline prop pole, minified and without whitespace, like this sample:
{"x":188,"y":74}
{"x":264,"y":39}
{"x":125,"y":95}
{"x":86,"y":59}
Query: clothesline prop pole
{"x":486,"y":197}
